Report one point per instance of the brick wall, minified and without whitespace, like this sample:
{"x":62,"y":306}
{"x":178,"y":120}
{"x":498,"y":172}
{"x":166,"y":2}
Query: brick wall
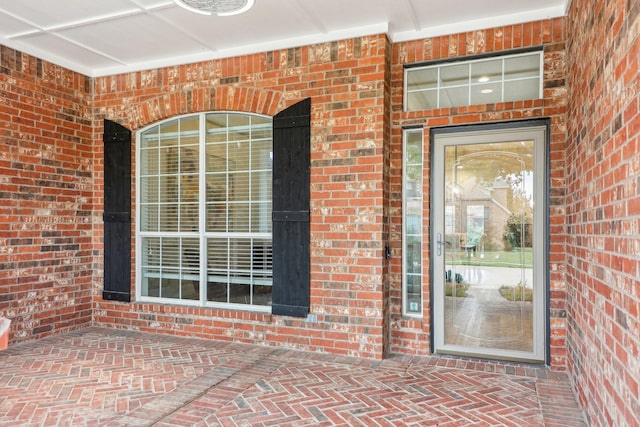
{"x":356,"y":91}
{"x":603,"y":209}
{"x":346,"y":81}
{"x":51,"y":182}
{"x":46,"y":197}
{"x":413,"y":336}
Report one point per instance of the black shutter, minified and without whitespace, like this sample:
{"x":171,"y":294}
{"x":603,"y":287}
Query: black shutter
{"x":117,"y":212}
{"x":291,"y":181}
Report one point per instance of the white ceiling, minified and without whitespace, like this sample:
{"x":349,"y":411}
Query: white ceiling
{"x":102,"y":37}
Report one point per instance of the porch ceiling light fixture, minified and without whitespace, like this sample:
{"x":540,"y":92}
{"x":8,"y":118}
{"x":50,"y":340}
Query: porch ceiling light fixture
{"x":217,"y":7}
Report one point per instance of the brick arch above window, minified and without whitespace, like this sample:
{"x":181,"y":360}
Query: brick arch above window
{"x":216,"y":98}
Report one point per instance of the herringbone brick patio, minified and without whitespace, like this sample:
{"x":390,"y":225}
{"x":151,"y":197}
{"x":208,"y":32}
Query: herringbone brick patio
{"x":102,"y":377}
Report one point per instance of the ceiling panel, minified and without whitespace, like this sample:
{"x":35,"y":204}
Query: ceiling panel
{"x":10,"y":25}
{"x":98,"y":37}
{"x":453,"y":16}
{"x":62,"y":52}
{"x":136,"y":38}
{"x":249,"y":31}
{"x":55,"y":13}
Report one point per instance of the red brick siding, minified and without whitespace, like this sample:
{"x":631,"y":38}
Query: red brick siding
{"x":346,"y":81}
{"x":46,"y":197}
{"x":412,"y":336}
{"x":386,"y":297}
{"x":51,"y":186}
{"x":603,"y":210}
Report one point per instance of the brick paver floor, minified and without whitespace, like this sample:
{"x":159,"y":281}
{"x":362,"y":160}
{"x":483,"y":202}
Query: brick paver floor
{"x":103,"y":377}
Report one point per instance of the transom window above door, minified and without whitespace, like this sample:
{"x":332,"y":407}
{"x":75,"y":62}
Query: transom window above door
{"x":487,"y":80}
{"x":204,"y":201}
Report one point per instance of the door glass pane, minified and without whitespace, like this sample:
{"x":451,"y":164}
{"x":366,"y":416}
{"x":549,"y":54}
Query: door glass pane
{"x":488,"y":250}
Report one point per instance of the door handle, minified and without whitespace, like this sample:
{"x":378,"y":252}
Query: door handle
{"x":439,"y":244}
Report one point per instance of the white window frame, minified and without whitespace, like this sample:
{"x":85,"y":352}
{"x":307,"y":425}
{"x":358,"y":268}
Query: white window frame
{"x":202,"y":234}
{"x":417,"y":200}
{"x":469,"y":84}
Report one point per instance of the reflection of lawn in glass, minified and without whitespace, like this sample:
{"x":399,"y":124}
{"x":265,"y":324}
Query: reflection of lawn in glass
{"x":494,"y":258}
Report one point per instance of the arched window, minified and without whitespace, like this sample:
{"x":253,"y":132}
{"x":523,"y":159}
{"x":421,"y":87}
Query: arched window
{"x":204,"y":200}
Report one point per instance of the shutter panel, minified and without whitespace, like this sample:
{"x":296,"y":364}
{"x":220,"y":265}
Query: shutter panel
{"x":291,"y":234}
{"x":117,"y":212}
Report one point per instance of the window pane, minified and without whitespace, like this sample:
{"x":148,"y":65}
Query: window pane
{"x":189,"y":217}
{"x":168,"y":217}
{"x":239,"y":152}
{"x":189,"y":193}
{"x":423,"y":100}
{"x":241,"y":185}
{"x":422,"y":79}
{"x":189,"y":130}
{"x":261,"y":128}
{"x":189,"y":187}
{"x":453,"y":97}
{"x":170,"y":156}
{"x":150,"y":138}
{"x":414,"y":174}
{"x":413,"y":256}
{"x":522,"y":89}
{"x":239,"y":217}
{"x":522,"y":67}
{"x":261,"y":186}
{"x":241,"y":261}
{"x":151,"y":256}
{"x":149,"y":216}
{"x":216,"y":127}
{"x":217,"y":291}
{"x":217,"y":270}
{"x":150,"y":161}
{"x":414,"y":294}
{"x":454,"y":75}
{"x":262,"y":261}
{"x":412,"y":222}
{"x":486,"y":71}
{"x":149,"y":189}
{"x":489,"y":93}
{"x":168,"y":189}
{"x":261,"y":217}
{"x":217,"y":217}
{"x":217,"y":187}
{"x":190,"y":271}
{"x":238,"y":127}
{"x":261,"y":155}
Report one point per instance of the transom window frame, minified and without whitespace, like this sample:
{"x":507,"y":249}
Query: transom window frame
{"x":478,"y":84}
{"x":201,"y":236}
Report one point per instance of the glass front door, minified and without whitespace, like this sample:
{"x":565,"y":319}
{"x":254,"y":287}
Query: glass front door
{"x":488,"y":242}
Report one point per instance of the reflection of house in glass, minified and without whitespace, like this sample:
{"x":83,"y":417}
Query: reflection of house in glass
{"x":477,"y":216}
